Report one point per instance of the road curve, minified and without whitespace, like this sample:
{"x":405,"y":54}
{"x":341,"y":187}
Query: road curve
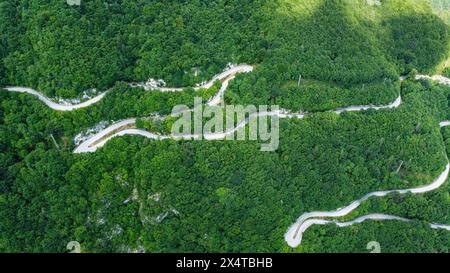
{"x":85,"y":146}
{"x":99,"y":139}
{"x":230,"y":72}
{"x":295,"y":233}
{"x":375,"y":217}
{"x":439,"y":78}
{"x":444,"y":123}
{"x":52,"y":104}
{"x":122,"y":128}
{"x":225,"y":76}
{"x":394,"y":104}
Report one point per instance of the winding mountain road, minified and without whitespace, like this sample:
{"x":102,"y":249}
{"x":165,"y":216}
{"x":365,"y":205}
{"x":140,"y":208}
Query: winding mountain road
{"x":294,"y":234}
{"x":438,"y":78}
{"x":126,"y":127}
{"x":225,"y":77}
{"x":122,"y":128}
{"x":375,"y":217}
{"x":50,"y":103}
{"x":100,"y":139}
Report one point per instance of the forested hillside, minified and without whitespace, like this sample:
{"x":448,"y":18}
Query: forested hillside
{"x":228,"y":196}
{"x":343,"y":56}
{"x":344,"y":52}
{"x":64,"y":50}
{"x":136,"y":194}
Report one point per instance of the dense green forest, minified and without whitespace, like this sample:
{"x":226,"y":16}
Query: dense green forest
{"x":357,"y":63}
{"x":106,"y":200}
{"x":137,"y":194}
{"x":64,"y":50}
{"x":392,"y":236}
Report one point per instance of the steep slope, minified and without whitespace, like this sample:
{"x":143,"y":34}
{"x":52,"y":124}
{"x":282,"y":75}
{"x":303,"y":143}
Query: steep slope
{"x":328,"y":54}
{"x":137,"y":194}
